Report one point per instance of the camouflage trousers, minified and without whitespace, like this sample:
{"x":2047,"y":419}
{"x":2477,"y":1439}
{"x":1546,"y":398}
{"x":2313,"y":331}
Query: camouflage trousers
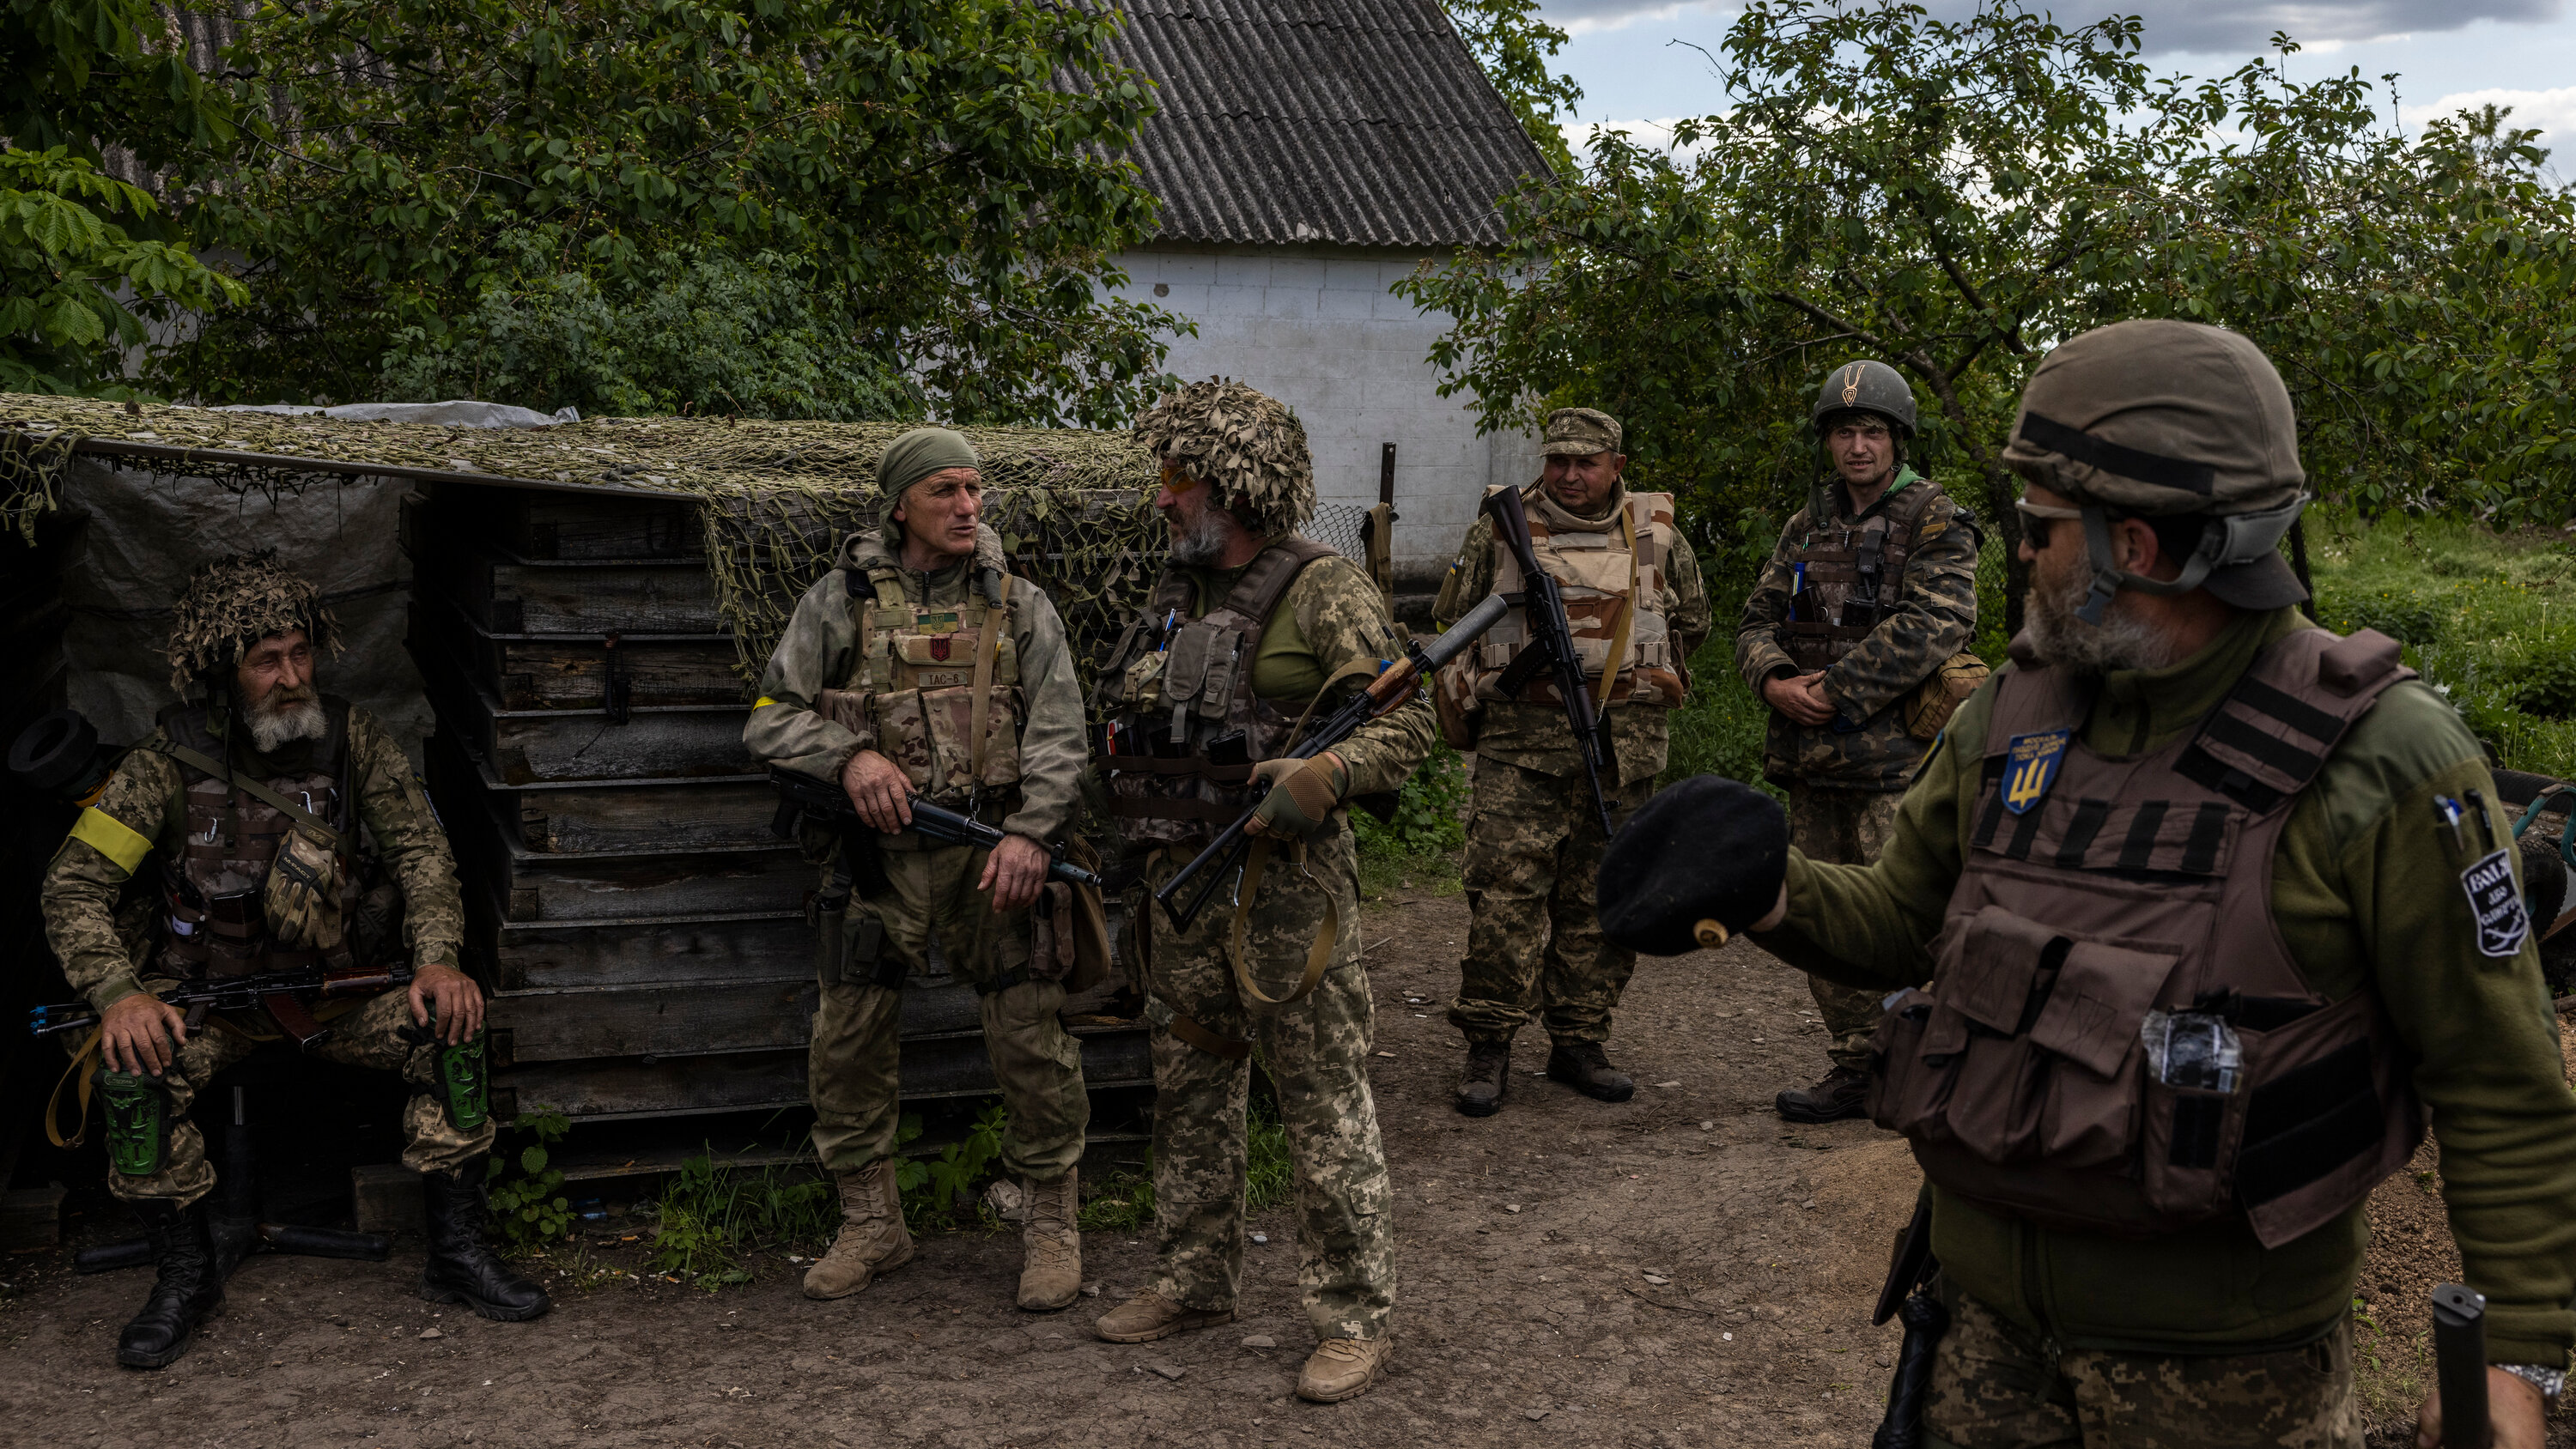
{"x":365,"y":1037}
{"x":1996,"y":1385}
{"x":1533,"y":878}
{"x":852,"y":1071}
{"x":1843,"y":827}
{"x":1317,"y":1052}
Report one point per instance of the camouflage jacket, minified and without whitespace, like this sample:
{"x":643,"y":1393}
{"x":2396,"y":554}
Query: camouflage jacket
{"x":819,"y":651}
{"x":1935,"y":615}
{"x":147,"y":795}
{"x":1535,"y":736}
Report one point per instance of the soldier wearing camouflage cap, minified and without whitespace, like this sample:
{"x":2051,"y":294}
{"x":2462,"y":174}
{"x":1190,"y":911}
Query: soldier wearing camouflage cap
{"x":1252,"y":629}
{"x":1631,"y":586}
{"x":285,"y":830}
{"x":2215,"y":906}
{"x":920,"y":666}
{"x":1853,"y":635}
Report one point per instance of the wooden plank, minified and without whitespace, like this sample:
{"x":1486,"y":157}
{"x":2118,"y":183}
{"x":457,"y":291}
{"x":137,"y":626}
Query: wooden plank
{"x":573,"y":671}
{"x":561,"y":526}
{"x":621,"y":885}
{"x":523,"y":746}
{"x":679,"y":1086}
{"x":568,"y":1024}
{"x":636,"y":953}
{"x":572,"y":817}
{"x":510,"y":595}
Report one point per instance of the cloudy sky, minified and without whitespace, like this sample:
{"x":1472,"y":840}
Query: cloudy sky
{"x":2448,"y":53}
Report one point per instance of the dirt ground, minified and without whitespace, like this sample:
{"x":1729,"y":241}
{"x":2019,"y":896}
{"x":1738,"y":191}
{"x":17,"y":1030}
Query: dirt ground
{"x":1526,"y":1316}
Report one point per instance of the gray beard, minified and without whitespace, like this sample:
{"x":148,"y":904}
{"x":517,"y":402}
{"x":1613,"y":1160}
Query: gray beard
{"x":275,"y":722}
{"x":1203,"y":543}
{"x":2119,"y":642}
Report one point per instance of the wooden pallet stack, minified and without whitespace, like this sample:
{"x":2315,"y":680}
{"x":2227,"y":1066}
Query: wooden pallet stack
{"x":640,"y":928}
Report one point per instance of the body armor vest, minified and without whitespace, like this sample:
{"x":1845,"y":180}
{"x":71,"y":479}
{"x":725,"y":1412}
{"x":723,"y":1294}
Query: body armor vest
{"x":211,"y":885}
{"x":2117,"y":1040}
{"x":1853,"y":575}
{"x":1612,"y":575}
{"x":938,"y":684}
{"x":1185,"y":726}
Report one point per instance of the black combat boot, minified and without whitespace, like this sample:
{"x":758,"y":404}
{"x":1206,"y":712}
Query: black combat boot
{"x":190,"y":1284}
{"x":1585,"y":1067}
{"x":1489,"y":1072}
{"x":1840,"y":1093}
{"x":460,"y":1268}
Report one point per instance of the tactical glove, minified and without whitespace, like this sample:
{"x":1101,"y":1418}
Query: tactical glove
{"x":1302,"y":795}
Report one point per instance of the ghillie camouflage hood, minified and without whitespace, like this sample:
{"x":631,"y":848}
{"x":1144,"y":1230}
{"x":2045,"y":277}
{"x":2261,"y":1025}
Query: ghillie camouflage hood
{"x":233,"y":603}
{"x":1243,"y":443}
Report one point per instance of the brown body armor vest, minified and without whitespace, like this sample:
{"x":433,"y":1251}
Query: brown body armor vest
{"x":2117,"y":1040}
{"x":938,"y":686}
{"x":1186,"y":727}
{"x":212,"y":884}
{"x":1855,"y":575}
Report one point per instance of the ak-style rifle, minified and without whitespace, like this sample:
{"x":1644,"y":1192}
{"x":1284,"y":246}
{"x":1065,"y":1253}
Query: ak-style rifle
{"x":281,"y":994}
{"x":1551,"y":646}
{"x":800,"y":794}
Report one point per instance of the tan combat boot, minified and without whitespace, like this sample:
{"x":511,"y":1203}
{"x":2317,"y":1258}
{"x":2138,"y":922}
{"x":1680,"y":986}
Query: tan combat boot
{"x":1343,"y":1368}
{"x":873,"y":1239}
{"x":1050,"y":1245}
{"x":1149,"y":1316}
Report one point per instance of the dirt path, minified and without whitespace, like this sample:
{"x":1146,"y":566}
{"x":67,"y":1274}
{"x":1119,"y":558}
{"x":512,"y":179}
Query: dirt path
{"x":1525,"y":1313}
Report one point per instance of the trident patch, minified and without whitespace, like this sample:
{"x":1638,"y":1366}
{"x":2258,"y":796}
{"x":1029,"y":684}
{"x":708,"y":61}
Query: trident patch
{"x":2030,"y":767}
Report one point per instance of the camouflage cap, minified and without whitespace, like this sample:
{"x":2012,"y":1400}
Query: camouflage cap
{"x":1579,"y":433}
{"x":1243,"y":442}
{"x":233,"y":603}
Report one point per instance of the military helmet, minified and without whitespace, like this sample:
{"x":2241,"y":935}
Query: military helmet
{"x":2157,"y":419}
{"x":234,"y":602}
{"x":1241,"y":442}
{"x":1867,"y":387}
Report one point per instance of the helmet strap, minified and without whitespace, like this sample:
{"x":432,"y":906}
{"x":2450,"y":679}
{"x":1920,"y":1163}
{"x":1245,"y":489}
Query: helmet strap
{"x":2109,"y":578}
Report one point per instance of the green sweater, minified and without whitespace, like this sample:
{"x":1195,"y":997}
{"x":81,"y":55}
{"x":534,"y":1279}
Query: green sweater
{"x":2366,"y":891}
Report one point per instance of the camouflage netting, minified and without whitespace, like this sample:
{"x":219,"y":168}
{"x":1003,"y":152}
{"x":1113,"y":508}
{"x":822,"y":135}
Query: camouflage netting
{"x":1073,"y":507}
{"x":1240,"y":441}
{"x":233,"y":603}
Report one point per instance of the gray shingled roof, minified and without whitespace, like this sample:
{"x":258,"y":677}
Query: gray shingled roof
{"x":1363,"y":122}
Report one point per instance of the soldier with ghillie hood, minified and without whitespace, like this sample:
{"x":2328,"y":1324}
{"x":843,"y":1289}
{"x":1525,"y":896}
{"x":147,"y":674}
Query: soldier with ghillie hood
{"x":1252,"y":630}
{"x":278,"y":828}
{"x":919,"y":665}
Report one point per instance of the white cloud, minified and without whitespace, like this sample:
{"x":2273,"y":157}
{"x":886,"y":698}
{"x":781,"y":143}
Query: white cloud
{"x":2210,"y":26}
{"x":1587,"y":17}
{"x":2552,"y":111}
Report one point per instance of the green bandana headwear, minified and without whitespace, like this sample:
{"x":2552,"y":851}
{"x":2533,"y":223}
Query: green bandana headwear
{"x":915,"y":456}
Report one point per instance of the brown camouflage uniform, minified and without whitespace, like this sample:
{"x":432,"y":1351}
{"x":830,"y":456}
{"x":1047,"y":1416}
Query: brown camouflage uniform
{"x":147,"y":796}
{"x":1316,"y":1048}
{"x":932,"y":889}
{"x":1534,"y":944}
{"x":1844,"y":787}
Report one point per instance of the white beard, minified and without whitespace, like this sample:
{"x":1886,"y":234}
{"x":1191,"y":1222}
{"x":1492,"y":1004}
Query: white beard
{"x":275,"y":722}
{"x":2119,"y":642}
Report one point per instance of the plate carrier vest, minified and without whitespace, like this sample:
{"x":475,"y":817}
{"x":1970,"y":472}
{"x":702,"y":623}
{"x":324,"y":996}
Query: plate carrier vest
{"x":211,"y":884}
{"x":1862,"y":564}
{"x":927,"y":675}
{"x":1185,"y":727}
{"x":2136,"y":886}
{"x":1602,"y":566}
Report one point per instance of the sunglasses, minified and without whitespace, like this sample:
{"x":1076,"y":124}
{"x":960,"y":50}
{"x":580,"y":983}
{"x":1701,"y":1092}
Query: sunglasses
{"x":2035,"y":518}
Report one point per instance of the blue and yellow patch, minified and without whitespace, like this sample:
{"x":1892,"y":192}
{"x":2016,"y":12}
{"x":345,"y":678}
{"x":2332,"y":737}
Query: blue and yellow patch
{"x":2030,"y":767}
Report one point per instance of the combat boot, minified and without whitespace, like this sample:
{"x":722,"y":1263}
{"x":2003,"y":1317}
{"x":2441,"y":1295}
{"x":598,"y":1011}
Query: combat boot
{"x":1050,"y":1244}
{"x":1488,"y":1076}
{"x":1838,"y":1094}
{"x":873,"y":1238}
{"x":1343,"y":1368}
{"x":1149,"y":1316}
{"x":1585,"y":1067}
{"x":461,"y":1267}
{"x":189,"y":1285}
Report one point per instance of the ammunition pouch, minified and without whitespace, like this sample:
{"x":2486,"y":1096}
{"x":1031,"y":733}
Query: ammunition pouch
{"x":137,"y":1109}
{"x":846,"y":955}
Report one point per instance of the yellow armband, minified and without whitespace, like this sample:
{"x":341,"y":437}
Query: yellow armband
{"x":121,"y":843}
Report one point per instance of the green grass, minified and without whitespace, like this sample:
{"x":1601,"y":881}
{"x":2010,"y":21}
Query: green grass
{"x":1416,"y":852}
{"x":1124,"y":1202}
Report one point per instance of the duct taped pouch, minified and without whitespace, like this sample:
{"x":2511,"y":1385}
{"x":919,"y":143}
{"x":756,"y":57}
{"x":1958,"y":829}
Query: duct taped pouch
{"x":305,"y":895}
{"x":1929,"y":707}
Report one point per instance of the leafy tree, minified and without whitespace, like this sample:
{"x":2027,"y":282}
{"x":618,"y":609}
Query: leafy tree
{"x":938,"y":169}
{"x":83,"y":74}
{"x":62,"y":262}
{"x":1513,"y":44}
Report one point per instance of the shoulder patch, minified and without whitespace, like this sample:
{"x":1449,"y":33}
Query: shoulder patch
{"x":2503,"y":924}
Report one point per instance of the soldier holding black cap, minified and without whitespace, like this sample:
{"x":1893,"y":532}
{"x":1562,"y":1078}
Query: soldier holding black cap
{"x":2214,"y":906}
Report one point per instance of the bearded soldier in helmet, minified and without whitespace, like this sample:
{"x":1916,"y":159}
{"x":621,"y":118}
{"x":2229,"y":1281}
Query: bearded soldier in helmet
{"x":919,"y":665}
{"x":1534,"y":945}
{"x":2214,"y":905}
{"x":1251,"y":630}
{"x":1862,"y":611}
{"x":262,"y":811}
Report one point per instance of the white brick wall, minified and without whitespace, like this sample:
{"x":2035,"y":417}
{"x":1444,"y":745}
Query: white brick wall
{"x":1317,"y":329}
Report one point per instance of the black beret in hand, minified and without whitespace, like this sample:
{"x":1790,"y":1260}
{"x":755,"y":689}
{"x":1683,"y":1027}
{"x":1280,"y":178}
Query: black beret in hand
{"x":1701,"y":861}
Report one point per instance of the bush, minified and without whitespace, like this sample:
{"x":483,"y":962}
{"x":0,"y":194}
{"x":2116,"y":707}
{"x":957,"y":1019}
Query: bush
{"x":1427,"y":819}
{"x":2548,"y":687}
{"x":2406,"y":618}
{"x":529,"y":1206}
